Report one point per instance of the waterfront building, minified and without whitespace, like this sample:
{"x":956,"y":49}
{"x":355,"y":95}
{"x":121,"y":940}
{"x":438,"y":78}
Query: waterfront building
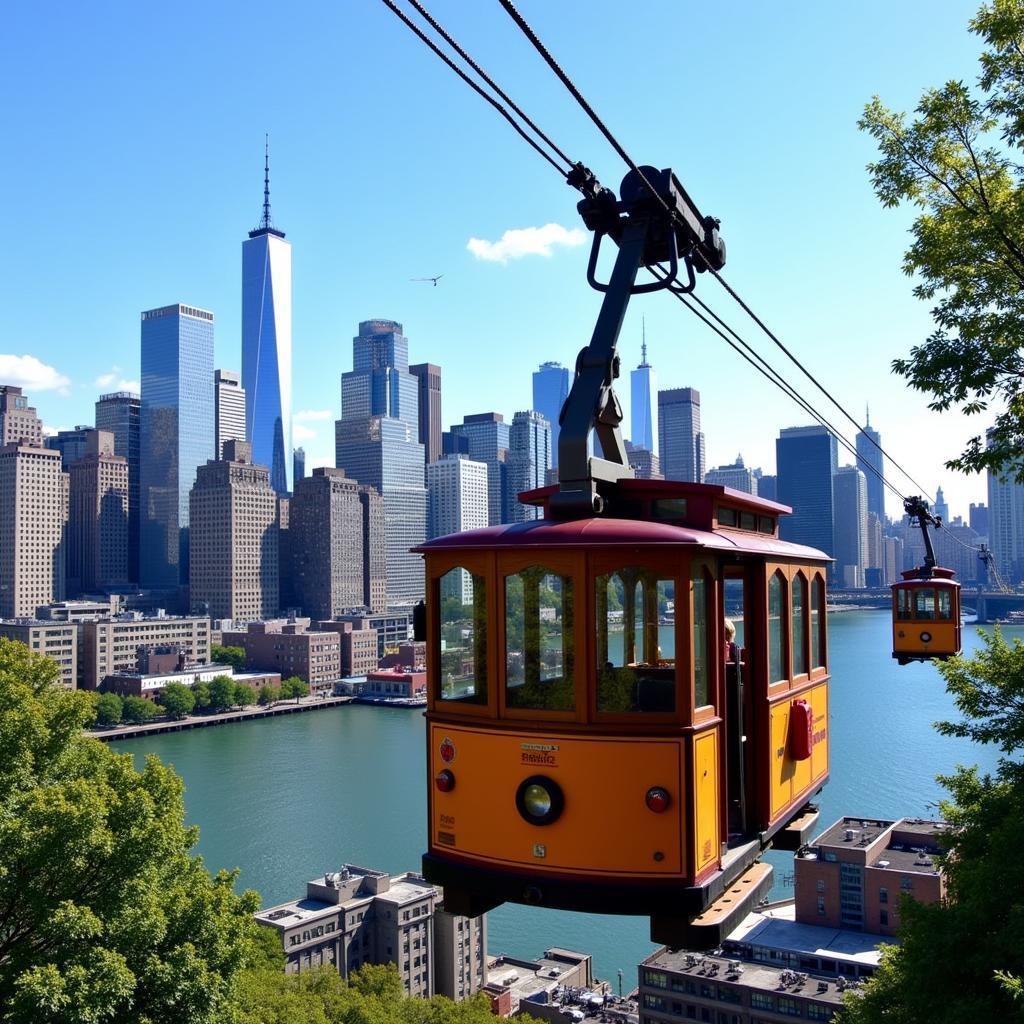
{"x":799,"y":959}
{"x":326,"y":535}
{"x":55,"y":640}
{"x":175,"y":434}
{"x":393,"y":627}
{"x":119,"y":412}
{"x":111,"y":645}
{"x":267,"y":344}
{"x":768,"y":487}
{"x":19,"y":423}
{"x":70,"y":443}
{"x":1006,"y":524}
{"x":33,"y":528}
{"x":806,"y":459}
{"x":529,"y":458}
{"x":375,"y":564}
{"x":870,"y":462}
{"x":234,"y":553}
{"x":358,"y":645}
{"x":160,"y":666}
{"x":484,"y":437}
{"x":644,"y":463}
{"x":98,"y":536}
{"x":850,"y":496}
{"x":736,"y":476}
{"x":680,"y":440}
{"x":291,"y":648}
{"x":457,"y":488}
{"x":394,"y":683}
{"x":429,"y":377}
{"x":550,"y":389}
{"x":358,"y":916}
{"x":643,"y":407}
{"x":377,"y":444}
{"x":298,"y":464}
{"x":228,"y":409}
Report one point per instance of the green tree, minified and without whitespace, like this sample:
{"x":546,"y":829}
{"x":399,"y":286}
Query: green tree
{"x":295,"y":687}
{"x":109,"y":707}
{"x":222,"y":693}
{"x":105,"y":914}
{"x":177,"y":700}
{"x":138,"y":710}
{"x":245,"y":695}
{"x":268,"y":694}
{"x":202,"y":694}
{"x":233,"y":656}
{"x":962,"y":960}
{"x":957,"y":162}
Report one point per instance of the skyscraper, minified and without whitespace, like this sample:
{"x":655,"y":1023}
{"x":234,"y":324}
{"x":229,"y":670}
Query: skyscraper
{"x":644,"y":463}
{"x":850,"y":495}
{"x":98,"y":517}
{"x":234,"y":543}
{"x":377,"y":444}
{"x":486,"y":437}
{"x":806,"y":459}
{"x":870,"y":462}
{"x":529,"y":457}
{"x":941,"y":509}
{"x":70,"y":443}
{"x":19,"y":423}
{"x":228,"y":409}
{"x":119,"y":414}
{"x":429,"y":377}
{"x":643,"y":408}
{"x":33,"y":527}
{"x":175,"y":435}
{"x":736,"y":476}
{"x":326,"y":534}
{"x":680,"y":441}
{"x":457,"y":487}
{"x":298,"y":465}
{"x":267,"y":344}
{"x":1006,"y":524}
{"x":550,"y":388}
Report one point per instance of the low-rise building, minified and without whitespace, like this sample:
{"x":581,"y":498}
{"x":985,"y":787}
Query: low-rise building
{"x":151,"y":684}
{"x":394,"y":683}
{"x":358,"y":645}
{"x":393,"y":627}
{"x":290,"y":648}
{"x":56,"y":640}
{"x":543,"y":988}
{"x":357,"y":916}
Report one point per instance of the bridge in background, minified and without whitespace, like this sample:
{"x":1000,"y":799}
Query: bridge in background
{"x":989,"y":605}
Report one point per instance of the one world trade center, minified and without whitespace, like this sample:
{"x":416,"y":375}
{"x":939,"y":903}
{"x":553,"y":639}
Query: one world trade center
{"x":267,"y":344}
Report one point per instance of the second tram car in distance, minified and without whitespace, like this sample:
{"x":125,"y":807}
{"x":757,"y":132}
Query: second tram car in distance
{"x":594,"y":741}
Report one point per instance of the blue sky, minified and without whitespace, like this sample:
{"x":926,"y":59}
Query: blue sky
{"x":132,"y":170}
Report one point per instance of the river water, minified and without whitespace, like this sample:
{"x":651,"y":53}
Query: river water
{"x":288,"y":798}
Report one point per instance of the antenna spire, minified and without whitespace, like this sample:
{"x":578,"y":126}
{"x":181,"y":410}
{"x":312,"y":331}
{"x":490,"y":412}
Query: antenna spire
{"x":266,"y":222}
{"x":643,"y":343}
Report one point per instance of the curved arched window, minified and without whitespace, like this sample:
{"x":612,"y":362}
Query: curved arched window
{"x":800,"y":667}
{"x":635,"y":611}
{"x":539,"y":652}
{"x":463,"y":639}
{"x":817,"y":621}
{"x":701,"y":618}
{"x":776,"y":628}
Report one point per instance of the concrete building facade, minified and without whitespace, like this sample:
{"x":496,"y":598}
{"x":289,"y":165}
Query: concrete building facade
{"x":19,"y":423}
{"x":736,"y":476}
{"x":119,"y":413}
{"x":56,"y":640}
{"x":484,"y":437}
{"x":429,"y":377}
{"x":529,"y":458}
{"x":850,"y":544}
{"x":234,"y":552}
{"x":33,"y":529}
{"x":680,"y":439}
{"x":228,"y":410}
{"x":375,"y":555}
{"x":644,"y":463}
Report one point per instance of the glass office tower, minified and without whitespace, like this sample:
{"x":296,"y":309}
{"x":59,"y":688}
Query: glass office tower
{"x":643,"y":407}
{"x":267,"y":346}
{"x":119,"y":412}
{"x":550,"y":388}
{"x":175,"y":434}
{"x":806,"y":459}
{"x":869,"y":462}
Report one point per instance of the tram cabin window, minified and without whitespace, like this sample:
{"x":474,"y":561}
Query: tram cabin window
{"x":539,"y":649}
{"x":668,"y":508}
{"x":904,"y":604}
{"x":799,"y":649}
{"x":727,"y":517}
{"x":701,"y":620}
{"x":776,"y":628}
{"x":817,"y":607}
{"x":924,"y":603}
{"x":635,"y":612}
{"x":463,"y":639}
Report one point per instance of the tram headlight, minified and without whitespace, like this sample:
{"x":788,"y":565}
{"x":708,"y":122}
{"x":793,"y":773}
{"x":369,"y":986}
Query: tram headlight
{"x":926,"y":637}
{"x":657,"y":799}
{"x":539,"y":800}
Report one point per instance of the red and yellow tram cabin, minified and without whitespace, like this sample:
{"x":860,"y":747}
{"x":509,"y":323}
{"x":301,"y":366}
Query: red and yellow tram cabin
{"x":594,"y":742}
{"x":925,"y":615}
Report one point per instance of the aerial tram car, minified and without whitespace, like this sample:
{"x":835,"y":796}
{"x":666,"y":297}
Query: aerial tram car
{"x":926,"y":602}
{"x":594,"y":741}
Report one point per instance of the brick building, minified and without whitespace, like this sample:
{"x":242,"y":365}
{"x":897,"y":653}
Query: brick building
{"x":290,"y":648}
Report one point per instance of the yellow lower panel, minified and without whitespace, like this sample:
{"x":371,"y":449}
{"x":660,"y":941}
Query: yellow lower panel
{"x":705,"y":766}
{"x":606,"y":826}
{"x":793,"y":781}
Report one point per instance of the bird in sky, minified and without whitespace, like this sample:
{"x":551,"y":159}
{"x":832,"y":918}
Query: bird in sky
{"x":434,"y":279}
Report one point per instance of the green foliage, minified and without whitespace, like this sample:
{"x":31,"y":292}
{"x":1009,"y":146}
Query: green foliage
{"x":138,"y":711}
{"x":962,"y":960}
{"x":267,"y":695}
{"x":109,"y":708}
{"x":177,"y":700}
{"x":105,"y":915}
{"x":202,"y":695}
{"x":956,"y":161}
{"x":245,"y":695}
{"x":222,"y":693}
{"x":233,"y":656}
{"x":295,"y":687}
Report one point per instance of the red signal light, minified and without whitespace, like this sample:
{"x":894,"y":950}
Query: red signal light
{"x":445,"y":781}
{"x":658,"y":799}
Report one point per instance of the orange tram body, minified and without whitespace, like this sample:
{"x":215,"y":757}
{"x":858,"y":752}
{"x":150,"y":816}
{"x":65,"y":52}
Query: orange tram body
{"x":925,"y":616}
{"x":595,"y":743}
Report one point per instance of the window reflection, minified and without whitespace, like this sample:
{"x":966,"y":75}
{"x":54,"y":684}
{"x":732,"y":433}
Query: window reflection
{"x":701,"y":669}
{"x":799,"y":648}
{"x":817,"y":610}
{"x":776,"y":639}
{"x":463,"y":620}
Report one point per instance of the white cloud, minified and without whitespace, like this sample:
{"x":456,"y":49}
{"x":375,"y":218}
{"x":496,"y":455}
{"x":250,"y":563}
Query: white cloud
{"x":32,"y":375}
{"x":301,"y":433}
{"x":113,"y":381}
{"x":519,"y":242}
{"x":305,"y":415}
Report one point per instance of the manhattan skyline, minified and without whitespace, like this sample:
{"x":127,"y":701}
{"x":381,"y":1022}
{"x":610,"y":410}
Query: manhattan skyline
{"x":364,"y":221}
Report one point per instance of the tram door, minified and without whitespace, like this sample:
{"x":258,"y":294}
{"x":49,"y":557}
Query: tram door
{"x":738,"y":726}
